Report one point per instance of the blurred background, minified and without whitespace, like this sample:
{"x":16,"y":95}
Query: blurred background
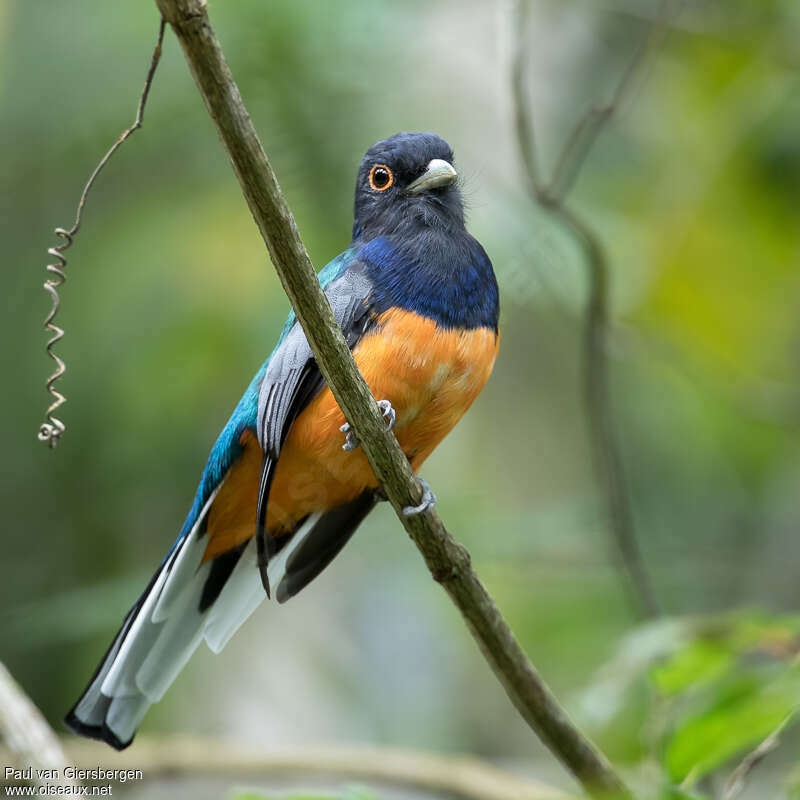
{"x":171,"y":305}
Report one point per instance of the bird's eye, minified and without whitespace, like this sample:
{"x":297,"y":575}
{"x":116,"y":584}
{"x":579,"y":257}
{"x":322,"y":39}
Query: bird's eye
{"x":380,"y":177}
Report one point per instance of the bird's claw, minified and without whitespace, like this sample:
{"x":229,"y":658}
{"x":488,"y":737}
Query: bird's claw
{"x":351,"y":442}
{"x":388,"y":413}
{"x":428,"y":501}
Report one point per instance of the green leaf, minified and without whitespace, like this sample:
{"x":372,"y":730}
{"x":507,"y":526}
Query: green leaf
{"x":701,"y":662}
{"x":738,"y":717}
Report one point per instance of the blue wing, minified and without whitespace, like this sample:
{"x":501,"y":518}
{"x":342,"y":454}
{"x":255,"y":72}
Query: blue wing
{"x":228,"y":448}
{"x":171,"y":617}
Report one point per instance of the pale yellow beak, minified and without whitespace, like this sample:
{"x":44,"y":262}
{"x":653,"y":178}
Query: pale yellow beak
{"x":439,"y":173}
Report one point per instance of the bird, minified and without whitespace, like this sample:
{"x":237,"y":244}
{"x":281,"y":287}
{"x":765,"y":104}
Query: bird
{"x":286,"y":484}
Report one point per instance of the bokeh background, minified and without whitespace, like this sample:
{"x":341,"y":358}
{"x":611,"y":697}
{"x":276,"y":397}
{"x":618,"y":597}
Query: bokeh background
{"x":171,"y":304}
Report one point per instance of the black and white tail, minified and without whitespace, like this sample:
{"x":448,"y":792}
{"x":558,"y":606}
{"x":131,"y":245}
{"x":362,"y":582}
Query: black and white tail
{"x":164,"y":628}
{"x":187,"y":601}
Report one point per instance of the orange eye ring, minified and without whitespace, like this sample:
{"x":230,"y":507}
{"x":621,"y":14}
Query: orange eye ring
{"x":380,"y":177}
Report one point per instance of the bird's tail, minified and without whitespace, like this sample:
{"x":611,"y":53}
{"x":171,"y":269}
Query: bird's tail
{"x":187,"y":600}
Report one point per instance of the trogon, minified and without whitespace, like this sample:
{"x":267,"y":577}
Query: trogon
{"x":417,"y":300}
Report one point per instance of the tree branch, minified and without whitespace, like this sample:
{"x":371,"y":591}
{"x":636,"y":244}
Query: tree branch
{"x":600,"y":416}
{"x":597,"y":396}
{"x":447,"y":560}
{"x":29,"y":738}
{"x":194,"y":757}
{"x":588,"y":128}
{"x":738,"y":778}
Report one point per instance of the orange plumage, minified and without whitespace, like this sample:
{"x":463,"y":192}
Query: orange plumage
{"x":431,"y":375}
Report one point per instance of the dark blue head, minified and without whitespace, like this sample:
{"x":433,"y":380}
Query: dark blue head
{"x":409,"y":233}
{"x":407,"y":180}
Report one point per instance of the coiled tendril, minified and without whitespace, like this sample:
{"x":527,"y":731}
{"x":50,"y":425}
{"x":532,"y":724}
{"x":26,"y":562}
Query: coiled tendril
{"x":52,"y":428}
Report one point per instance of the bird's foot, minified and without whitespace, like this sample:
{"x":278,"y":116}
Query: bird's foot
{"x":351,"y":443}
{"x":388,"y":413}
{"x":428,"y":501}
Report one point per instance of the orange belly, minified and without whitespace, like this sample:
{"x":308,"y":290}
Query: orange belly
{"x":430,"y":376}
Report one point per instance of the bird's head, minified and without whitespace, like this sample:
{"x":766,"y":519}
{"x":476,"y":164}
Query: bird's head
{"x":407,"y":181}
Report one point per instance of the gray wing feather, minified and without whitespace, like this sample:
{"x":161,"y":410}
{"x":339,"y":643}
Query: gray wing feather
{"x":292,"y":365}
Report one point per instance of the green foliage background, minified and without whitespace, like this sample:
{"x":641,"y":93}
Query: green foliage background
{"x":171,"y":305}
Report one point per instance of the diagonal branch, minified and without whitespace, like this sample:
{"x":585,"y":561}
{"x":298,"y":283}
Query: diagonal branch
{"x":588,"y":128}
{"x":447,"y":560}
{"x":608,"y":464}
{"x":738,"y":778}
{"x":30,"y":740}
{"x":551,"y":195}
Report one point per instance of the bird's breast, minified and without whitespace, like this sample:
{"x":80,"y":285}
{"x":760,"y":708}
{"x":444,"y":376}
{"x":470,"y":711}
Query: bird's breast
{"x":430,"y":375}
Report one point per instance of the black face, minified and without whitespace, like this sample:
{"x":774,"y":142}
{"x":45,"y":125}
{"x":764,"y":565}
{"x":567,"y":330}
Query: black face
{"x":384,"y":206}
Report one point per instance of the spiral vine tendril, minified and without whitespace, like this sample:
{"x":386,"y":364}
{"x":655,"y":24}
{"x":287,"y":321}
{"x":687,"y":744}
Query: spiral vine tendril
{"x":51,"y":430}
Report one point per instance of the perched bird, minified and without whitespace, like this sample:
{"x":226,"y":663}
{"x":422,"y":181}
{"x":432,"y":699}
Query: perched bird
{"x":417,"y":300}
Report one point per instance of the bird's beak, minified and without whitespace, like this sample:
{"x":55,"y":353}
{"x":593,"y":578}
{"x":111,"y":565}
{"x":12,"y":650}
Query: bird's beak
{"x":439,"y":173}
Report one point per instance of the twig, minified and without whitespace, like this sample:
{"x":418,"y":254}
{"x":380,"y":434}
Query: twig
{"x":522,"y":117}
{"x":599,"y":414}
{"x":464,"y":777}
{"x":737,"y":779}
{"x":597,"y":397}
{"x":52,"y":428}
{"x":588,"y":128}
{"x":29,"y":738}
{"x":447,"y":560}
